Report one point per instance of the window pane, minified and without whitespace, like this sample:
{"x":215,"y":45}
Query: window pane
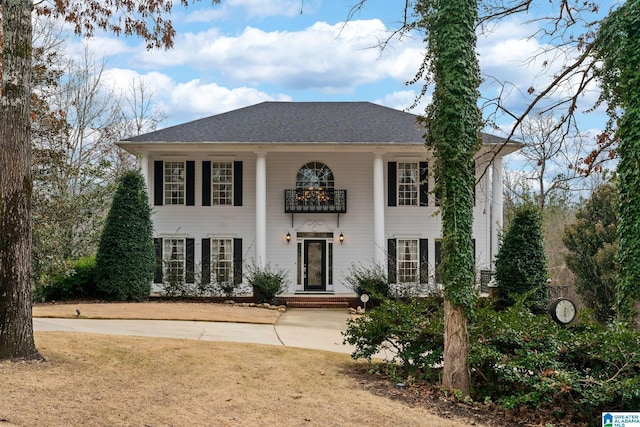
{"x":174,"y":257}
{"x":315,"y":176}
{"x":174,"y":182}
{"x":408,"y":184}
{"x":222,"y":260}
{"x":407,"y":260}
{"x":222,"y":183}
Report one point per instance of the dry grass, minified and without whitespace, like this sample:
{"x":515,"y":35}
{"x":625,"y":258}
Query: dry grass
{"x":96,"y":380}
{"x":159,"y":311}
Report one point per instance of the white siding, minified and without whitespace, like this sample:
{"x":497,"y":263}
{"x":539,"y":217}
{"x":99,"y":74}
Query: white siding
{"x":353,"y":171}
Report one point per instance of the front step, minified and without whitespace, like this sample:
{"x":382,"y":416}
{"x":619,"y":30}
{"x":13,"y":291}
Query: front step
{"x":306,"y":301}
{"x":317,"y":304}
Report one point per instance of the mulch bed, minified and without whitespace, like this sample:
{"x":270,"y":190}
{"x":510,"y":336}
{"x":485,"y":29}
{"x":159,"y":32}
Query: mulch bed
{"x":446,"y":406}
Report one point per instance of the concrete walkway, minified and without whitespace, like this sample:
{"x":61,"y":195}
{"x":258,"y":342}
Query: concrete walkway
{"x":318,"y":329}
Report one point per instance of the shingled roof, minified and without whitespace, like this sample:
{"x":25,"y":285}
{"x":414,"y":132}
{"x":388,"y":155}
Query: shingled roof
{"x":300,"y":122}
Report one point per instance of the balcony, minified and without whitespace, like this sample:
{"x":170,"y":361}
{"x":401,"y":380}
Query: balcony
{"x":315,"y":201}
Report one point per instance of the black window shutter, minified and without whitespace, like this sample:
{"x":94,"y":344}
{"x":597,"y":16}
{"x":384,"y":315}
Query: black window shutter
{"x":424,"y":184}
{"x":157,"y":275}
{"x":237,"y":261}
{"x":158,"y":182}
{"x":391,"y":260}
{"x":424,"y":261}
{"x":206,"y":260}
{"x":237,"y":183}
{"x":392,"y":179}
{"x":438,"y":258}
{"x":206,"y":183}
{"x":473,"y":241}
{"x":190,"y":261}
{"x":190,"y":195}
{"x":474,"y":185}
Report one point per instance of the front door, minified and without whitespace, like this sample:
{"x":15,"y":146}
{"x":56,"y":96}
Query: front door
{"x":315,"y":261}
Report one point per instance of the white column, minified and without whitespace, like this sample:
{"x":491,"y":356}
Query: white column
{"x":496,"y":205}
{"x":261,"y":210}
{"x":378,"y":211}
{"x":143,"y":164}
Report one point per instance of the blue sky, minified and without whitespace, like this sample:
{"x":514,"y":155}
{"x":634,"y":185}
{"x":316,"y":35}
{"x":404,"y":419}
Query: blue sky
{"x":242,"y":52}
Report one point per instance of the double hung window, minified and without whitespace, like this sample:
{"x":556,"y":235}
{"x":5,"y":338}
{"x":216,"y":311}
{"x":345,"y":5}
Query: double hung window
{"x":222,"y":183}
{"x":408,"y":184}
{"x":174,"y":183}
{"x":408,"y":261}
{"x":222,"y":261}
{"x":174,"y":258}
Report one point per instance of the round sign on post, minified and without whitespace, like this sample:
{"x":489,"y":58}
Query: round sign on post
{"x":364,"y":298}
{"x":563,"y":311}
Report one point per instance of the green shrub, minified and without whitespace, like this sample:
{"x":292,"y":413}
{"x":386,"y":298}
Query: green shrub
{"x":126,"y":258}
{"x":267,"y":282}
{"x":592,"y":244}
{"x":410,"y":333}
{"x":517,"y":358}
{"x":371,"y":280}
{"x":521,"y":264}
{"x":79,"y":284}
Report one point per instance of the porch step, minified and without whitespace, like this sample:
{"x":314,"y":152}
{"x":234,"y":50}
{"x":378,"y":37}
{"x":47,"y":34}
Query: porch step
{"x":317,"y":304}
{"x":306,"y":301}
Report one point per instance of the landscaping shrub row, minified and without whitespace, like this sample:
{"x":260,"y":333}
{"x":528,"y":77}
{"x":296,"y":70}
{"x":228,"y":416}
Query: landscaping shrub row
{"x":517,"y":359}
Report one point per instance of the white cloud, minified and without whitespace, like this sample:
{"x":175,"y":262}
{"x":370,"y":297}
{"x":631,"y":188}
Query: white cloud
{"x":184,"y":101}
{"x":402,"y":100}
{"x":194,"y":99}
{"x":327,"y":57}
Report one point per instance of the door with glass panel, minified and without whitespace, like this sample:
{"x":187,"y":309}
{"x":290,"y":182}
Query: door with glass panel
{"x":315,"y":262}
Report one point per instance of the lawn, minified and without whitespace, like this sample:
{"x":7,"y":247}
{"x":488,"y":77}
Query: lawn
{"x":98,"y":380}
{"x":101,"y":380}
{"x":159,"y":311}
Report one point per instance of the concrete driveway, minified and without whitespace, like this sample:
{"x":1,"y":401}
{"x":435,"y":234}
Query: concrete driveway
{"x":318,"y":329}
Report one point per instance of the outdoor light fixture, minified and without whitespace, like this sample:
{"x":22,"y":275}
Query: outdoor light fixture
{"x":288,"y":237}
{"x":341,"y":238}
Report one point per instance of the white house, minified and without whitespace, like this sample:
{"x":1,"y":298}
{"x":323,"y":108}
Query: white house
{"x":312,"y":187}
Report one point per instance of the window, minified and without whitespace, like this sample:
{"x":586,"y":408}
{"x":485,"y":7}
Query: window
{"x":407,"y":260}
{"x":408,"y":184}
{"x":222,"y":261}
{"x":315,"y":176}
{"x":174,"y":259}
{"x":222,"y":183}
{"x":174,"y":183}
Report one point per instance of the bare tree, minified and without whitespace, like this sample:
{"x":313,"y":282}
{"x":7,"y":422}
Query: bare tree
{"x":77,"y":162}
{"x":147,"y":19}
{"x":549,"y":161}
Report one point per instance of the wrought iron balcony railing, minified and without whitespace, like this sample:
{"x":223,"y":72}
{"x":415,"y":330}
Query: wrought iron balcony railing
{"x":315,"y":201}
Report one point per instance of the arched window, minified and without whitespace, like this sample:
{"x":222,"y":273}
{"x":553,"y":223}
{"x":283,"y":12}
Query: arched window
{"x":314,"y":176}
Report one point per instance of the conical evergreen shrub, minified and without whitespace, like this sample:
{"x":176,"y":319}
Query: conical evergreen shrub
{"x":125,"y":262}
{"x":521,"y":263}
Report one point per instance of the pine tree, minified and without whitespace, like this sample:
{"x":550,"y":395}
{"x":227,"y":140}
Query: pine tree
{"x":125,"y":262}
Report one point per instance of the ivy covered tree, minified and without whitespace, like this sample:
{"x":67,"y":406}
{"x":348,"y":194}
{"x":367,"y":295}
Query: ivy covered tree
{"x":617,"y":46}
{"x":592,"y":243}
{"x":521,"y":265}
{"x":125,"y":262}
{"x":453,"y":123}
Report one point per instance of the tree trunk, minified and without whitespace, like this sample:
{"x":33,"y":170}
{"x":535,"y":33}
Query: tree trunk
{"x":455,"y":374}
{"x":16,"y":324}
{"x":453,"y":125}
